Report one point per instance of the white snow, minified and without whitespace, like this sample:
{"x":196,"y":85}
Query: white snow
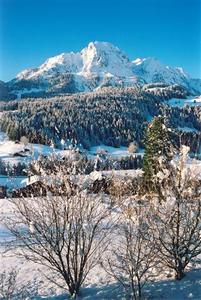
{"x":98,"y":57}
{"x":112,"y":151}
{"x":99,"y":285}
{"x":138,"y":61}
{"x":187,"y":129}
{"x":102,"y":63}
{"x":13,"y":182}
{"x":176,"y":102}
{"x":9,"y":148}
{"x":152,"y":70}
{"x":103,"y":58}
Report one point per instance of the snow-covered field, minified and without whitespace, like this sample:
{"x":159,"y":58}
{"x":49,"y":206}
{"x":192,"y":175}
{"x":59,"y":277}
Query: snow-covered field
{"x":112,"y":151}
{"x":14,"y":182}
{"x":9,"y":153}
{"x":187,"y":129}
{"x":9,"y":149}
{"x":175,"y":102}
{"x":99,"y":285}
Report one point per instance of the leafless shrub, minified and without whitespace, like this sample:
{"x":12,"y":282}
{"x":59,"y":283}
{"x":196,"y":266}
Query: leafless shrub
{"x":66,"y":234}
{"x":176,"y":220}
{"x":132,"y":256}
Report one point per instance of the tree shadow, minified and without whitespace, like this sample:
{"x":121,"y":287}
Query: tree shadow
{"x":188,"y":288}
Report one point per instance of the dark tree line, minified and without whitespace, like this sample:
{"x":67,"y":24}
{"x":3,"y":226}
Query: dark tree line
{"x":12,"y":170}
{"x":113,"y":116}
{"x":81,"y":164}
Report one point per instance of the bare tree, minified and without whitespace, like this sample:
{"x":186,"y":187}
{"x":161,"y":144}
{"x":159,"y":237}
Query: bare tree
{"x":176,"y":221}
{"x":9,"y":288}
{"x":132,"y":256}
{"x":66,"y":234}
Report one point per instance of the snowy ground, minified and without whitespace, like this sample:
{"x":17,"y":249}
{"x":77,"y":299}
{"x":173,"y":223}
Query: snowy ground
{"x":194,"y":166}
{"x":187,"y":129}
{"x":9,"y":148}
{"x":13,"y":183}
{"x":196,"y":101}
{"x":112,"y":151}
{"x":99,"y":285}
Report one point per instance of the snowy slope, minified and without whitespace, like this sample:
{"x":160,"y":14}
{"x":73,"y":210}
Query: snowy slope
{"x":98,"y":65}
{"x":175,"y":102}
{"x":102,"y":58}
{"x":63,"y":63}
{"x":9,"y":151}
{"x":152,"y":70}
{"x":98,"y":57}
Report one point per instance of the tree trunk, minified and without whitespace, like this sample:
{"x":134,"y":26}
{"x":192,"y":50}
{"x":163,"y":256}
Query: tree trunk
{"x":139,"y":290}
{"x":180,"y":272}
{"x":72,"y":291}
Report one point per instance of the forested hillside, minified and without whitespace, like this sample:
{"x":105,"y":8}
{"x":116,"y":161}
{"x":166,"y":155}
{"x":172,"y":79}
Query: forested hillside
{"x":112,"y":116}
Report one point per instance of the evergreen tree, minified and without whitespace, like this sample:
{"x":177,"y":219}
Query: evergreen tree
{"x":158,"y":151}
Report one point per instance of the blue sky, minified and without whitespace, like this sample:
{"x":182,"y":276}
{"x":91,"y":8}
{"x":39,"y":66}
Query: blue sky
{"x":33,"y":30}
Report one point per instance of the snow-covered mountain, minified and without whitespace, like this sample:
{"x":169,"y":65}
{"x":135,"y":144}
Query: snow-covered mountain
{"x":152,"y":70}
{"x":98,"y":65}
{"x":97,"y":58}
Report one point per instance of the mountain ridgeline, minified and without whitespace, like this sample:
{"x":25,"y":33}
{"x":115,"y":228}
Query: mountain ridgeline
{"x":97,"y":66}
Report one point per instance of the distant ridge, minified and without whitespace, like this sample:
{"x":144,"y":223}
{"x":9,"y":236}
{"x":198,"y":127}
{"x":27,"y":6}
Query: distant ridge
{"x":100,"y":64}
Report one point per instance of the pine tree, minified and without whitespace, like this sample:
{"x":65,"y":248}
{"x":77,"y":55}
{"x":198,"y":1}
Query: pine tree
{"x":158,"y":151}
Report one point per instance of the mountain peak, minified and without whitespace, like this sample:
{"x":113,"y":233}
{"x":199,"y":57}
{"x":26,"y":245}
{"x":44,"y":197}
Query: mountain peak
{"x":104,"y":57}
{"x":101,"y":64}
{"x":104,"y":46}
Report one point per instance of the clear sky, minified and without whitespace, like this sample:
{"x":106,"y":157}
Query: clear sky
{"x":33,"y":30}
